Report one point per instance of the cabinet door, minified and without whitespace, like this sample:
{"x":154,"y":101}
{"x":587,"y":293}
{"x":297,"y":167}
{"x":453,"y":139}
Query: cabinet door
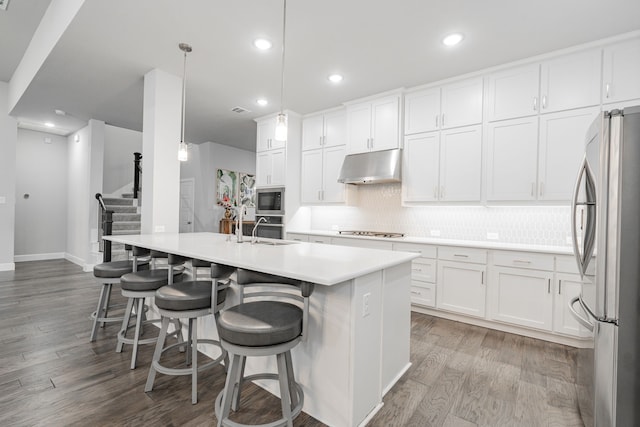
{"x":358,"y":128}
{"x":423,"y":294}
{"x":568,"y":286}
{"x":460,"y":164}
{"x":512,"y":153}
{"x":420,"y":167}
{"x":462,"y":103}
{"x":311,"y":185}
{"x":263,"y":168}
{"x":312,"y":132}
{"x":385,"y":123}
{"x":335,"y":129}
{"x":461,"y":288}
{"x":332,"y":190}
{"x":562,"y":142}
{"x":522,"y":297}
{"x":571,"y":81}
{"x":278,"y":167}
{"x":265,"y":131}
{"x":422,"y":111}
{"x":621,"y":72}
{"x":513,"y":93}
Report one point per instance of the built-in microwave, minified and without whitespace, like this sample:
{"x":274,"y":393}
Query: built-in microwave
{"x":270,"y":201}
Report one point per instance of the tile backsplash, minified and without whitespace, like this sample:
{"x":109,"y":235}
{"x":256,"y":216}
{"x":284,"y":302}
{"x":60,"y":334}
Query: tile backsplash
{"x":379,"y":208}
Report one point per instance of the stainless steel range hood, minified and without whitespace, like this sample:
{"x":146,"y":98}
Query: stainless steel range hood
{"x":375,"y":167}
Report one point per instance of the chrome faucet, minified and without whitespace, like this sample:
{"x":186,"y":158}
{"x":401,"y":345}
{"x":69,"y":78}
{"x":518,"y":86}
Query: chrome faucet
{"x":254,"y":239}
{"x":241,"y":211}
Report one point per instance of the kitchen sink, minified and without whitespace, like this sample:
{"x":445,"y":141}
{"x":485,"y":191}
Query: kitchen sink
{"x":274,"y":243}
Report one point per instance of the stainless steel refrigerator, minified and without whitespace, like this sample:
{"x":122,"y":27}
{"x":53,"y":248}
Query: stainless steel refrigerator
{"x":606,"y":238}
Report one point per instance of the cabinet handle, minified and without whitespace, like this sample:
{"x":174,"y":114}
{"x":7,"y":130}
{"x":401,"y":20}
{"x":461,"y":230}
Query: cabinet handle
{"x":368,"y":142}
{"x":372,"y":143}
{"x":541,"y":189}
{"x":435,"y":192}
{"x":544,"y":101}
{"x":321,"y":142}
{"x":606,"y":90}
{"x":522,"y":261}
{"x":416,"y":269}
{"x":548,"y":286}
{"x":322,"y":194}
{"x":436,"y":121}
{"x":442,"y":192}
{"x":461,"y":255}
{"x":535,"y":103}
{"x":482,"y":278}
{"x":533,"y":189}
{"x":559,"y":287}
{"x":442,"y":119}
{"x":319,"y":196}
{"x":416,"y":293}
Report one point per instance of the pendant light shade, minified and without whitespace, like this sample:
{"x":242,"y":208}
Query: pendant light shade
{"x":281,"y":119}
{"x":183,"y":153}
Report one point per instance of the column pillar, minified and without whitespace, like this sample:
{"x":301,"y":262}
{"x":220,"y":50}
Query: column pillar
{"x":160,"y":165}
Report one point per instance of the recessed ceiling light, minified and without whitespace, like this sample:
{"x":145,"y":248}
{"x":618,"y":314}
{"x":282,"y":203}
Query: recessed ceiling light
{"x":49,"y":125}
{"x":335,"y":78}
{"x":262,"y":44}
{"x":60,"y":112}
{"x":262,"y":102}
{"x":452,"y":39}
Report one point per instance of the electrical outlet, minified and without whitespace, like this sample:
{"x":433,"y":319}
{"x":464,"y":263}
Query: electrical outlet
{"x":159,"y":228}
{"x":365,"y":304}
{"x":434,"y":233}
{"x":492,"y":236}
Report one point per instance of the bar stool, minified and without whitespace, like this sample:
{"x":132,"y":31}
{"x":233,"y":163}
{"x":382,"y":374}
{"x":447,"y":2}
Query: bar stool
{"x":190,"y":300}
{"x":137,"y":287}
{"x":270,"y":327}
{"x":108,"y":274}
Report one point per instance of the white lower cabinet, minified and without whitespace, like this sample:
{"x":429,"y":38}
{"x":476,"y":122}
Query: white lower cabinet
{"x":568,"y":286}
{"x":522,"y":297}
{"x":423,"y":273}
{"x":461,"y":287}
{"x":298,"y":237}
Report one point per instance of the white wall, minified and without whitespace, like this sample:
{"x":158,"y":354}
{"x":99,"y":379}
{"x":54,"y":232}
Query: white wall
{"x":119,"y":146}
{"x":8,"y":140}
{"x":204,"y":160}
{"x":41,"y":219}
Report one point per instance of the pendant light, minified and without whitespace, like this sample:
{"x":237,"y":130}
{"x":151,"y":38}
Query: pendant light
{"x":281,"y":119}
{"x":183,"y":153}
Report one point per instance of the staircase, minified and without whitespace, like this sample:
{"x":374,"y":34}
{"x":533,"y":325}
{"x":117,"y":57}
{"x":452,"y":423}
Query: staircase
{"x":126,"y":220}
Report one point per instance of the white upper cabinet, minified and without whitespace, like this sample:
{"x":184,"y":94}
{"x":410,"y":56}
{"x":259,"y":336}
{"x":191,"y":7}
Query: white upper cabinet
{"x":311,"y":185}
{"x":373,"y":125}
{"x":562,"y":142}
{"x":453,"y":105}
{"x":327,"y":130}
{"x":621,"y":72}
{"x":320,"y":171}
{"x":461,"y":103}
{"x":271,"y":167}
{"x":266,"y":130}
{"x":513,"y":93}
{"x":460,"y":164}
{"x":421,"y":167}
{"x":570,"y":81}
{"x":512,"y":154}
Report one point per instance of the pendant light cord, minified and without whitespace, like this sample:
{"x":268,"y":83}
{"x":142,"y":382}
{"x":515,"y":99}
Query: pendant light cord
{"x":284,"y":26}
{"x":184,"y":94}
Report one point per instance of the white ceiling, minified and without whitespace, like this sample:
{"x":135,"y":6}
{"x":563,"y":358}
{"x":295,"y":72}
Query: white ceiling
{"x":96,"y":70}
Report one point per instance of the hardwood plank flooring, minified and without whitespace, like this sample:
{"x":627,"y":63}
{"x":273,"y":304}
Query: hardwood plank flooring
{"x":50,"y":375}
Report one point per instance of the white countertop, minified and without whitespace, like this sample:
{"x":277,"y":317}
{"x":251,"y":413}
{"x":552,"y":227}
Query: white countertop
{"x":312,"y":262}
{"x":560,"y":250}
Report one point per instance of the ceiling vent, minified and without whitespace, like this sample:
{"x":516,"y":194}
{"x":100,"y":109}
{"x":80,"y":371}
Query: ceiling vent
{"x":4,"y":4}
{"x":239,"y":110}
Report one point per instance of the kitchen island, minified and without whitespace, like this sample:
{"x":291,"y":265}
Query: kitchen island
{"x":359,"y":329}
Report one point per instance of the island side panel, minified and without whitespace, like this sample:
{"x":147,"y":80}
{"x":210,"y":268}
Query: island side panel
{"x":396,"y":324}
{"x":366,"y":318}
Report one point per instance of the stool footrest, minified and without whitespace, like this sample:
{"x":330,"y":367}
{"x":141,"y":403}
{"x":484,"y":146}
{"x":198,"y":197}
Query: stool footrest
{"x":188,"y":371}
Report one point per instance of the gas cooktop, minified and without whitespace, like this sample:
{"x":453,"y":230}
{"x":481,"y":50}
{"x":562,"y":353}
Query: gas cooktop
{"x":370,"y":233}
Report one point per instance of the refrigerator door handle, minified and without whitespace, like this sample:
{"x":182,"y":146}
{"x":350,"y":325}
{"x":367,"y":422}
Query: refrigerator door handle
{"x":574,"y":211}
{"x":574,"y":313}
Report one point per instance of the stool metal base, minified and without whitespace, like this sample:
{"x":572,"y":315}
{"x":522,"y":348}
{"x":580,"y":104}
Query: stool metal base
{"x":101,"y":317}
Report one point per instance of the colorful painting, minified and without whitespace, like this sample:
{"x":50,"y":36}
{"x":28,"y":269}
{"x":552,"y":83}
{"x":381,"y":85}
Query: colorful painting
{"x":226,"y":188}
{"x":247,"y":189}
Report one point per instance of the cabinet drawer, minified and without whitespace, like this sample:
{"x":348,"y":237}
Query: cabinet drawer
{"x":423,"y":269}
{"x":298,"y":237}
{"x":566,"y":264}
{"x":523,"y":260}
{"x":361,"y":243}
{"x":423,"y":294}
{"x":320,"y":239}
{"x":424,"y":250}
{"x":477,"y":256}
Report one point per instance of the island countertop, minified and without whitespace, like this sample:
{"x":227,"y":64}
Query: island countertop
{"x":322,"y":264}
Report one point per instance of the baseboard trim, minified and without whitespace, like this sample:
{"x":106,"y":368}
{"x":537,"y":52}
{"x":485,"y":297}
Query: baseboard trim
{"x":74,"y":259}
{"x":512,"y":329}
{"x":39,"y":257}
{"x":8,"y":266}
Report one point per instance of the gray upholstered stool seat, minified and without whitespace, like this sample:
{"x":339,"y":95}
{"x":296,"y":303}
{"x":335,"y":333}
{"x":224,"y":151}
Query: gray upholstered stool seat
{"x":260,"y":323}
{"x":108,"y":274}
{"x":139,"y":285}
{"x":190,"y":300}
{"x":267,"y":327}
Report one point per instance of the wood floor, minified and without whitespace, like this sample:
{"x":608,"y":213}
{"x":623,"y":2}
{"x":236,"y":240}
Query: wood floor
{"x":50,"y":375}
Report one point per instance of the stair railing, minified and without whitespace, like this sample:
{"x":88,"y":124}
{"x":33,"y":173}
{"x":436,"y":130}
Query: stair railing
{"x":105,"y":219}
{"x":137,"y":172}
